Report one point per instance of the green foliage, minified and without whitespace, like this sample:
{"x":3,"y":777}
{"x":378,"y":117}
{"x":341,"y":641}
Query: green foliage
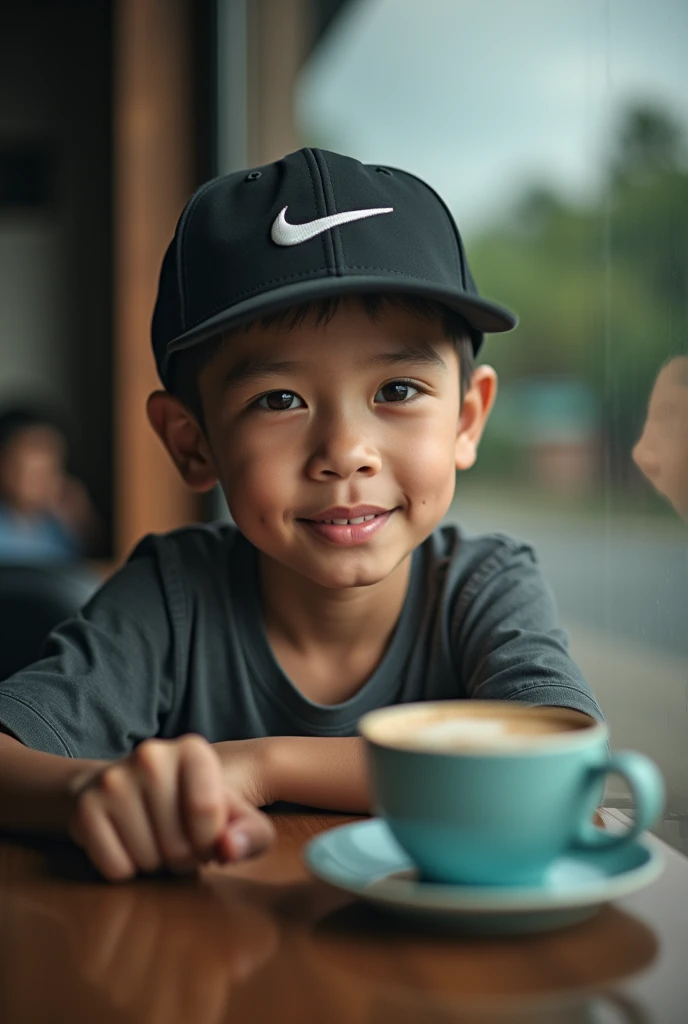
{"x":602,"y":290}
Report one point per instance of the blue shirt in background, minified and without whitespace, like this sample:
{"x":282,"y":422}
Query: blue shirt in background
{"x":38,"y":540}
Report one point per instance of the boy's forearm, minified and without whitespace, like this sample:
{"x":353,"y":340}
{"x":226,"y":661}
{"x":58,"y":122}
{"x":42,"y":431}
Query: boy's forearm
{"x":35,"y":794}
{"x":36,"y":788}
{"x":319,"y":772}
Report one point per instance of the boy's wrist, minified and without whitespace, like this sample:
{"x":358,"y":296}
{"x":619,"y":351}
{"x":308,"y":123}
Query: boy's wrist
{"x":270,"y":759}
{"x":325,"y":772}
{"x":248,"y":768}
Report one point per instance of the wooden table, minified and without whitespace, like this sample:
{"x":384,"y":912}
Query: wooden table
{"x":264,"y":942}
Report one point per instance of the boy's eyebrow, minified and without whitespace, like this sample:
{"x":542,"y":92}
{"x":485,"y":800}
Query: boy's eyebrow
{"x":253,"y":369}
{"x":410,"y":353}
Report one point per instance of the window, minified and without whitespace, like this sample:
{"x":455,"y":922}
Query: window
{"x":558,"y":134}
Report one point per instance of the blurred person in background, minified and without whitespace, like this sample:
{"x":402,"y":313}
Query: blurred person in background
{"x":662,"y":451}
{"x":45,"y":515}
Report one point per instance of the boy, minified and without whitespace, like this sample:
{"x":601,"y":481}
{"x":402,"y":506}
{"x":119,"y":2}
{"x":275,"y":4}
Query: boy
{"x":315,"y":329}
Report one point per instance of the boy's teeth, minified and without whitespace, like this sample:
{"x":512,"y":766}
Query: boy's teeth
{"x":349,"y":522}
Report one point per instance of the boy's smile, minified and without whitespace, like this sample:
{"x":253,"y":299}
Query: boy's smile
{"x":348,"y":526}
{"x":336,"y":444}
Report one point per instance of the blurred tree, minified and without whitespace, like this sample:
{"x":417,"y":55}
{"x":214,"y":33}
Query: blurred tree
{"x":601,"y":290}
{"x":649,"y":141}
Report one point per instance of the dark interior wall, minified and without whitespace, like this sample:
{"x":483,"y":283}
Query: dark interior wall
{"x":56,"y":336}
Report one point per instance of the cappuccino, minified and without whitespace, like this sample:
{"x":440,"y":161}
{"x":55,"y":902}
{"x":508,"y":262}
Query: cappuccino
{"x":486,"y":792}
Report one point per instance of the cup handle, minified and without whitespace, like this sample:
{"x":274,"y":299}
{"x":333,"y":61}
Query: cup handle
{"x":647,"y":787}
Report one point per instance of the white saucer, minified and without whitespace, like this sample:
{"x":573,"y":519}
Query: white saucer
{"x":364,"y":859}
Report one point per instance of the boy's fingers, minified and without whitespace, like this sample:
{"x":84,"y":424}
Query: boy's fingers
{"x":248,"y":833}
{"x":201,"y":794}
{"x":123,"y":801}
{"x":158,"y":769}
{"x":93,"y":830}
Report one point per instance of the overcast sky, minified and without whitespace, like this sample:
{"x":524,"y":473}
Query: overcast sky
{"x":482,"y":96}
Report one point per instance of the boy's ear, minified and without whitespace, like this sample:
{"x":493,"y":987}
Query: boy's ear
{"x":475,"y":409}
{"x":185,"y":441}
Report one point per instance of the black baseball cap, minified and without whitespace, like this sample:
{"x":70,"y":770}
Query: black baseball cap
{"x":312,"y":225}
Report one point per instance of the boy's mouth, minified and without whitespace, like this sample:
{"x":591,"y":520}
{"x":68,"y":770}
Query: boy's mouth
{"x":348,"y":526}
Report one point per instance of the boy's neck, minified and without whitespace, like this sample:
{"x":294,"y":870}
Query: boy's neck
{"x":308,"y":617}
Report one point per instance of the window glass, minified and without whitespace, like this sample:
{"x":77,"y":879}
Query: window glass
{"x":557,"y":133}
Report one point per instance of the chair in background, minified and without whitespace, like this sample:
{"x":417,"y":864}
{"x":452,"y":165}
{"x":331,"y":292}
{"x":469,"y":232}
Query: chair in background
{"x":33,"y":600}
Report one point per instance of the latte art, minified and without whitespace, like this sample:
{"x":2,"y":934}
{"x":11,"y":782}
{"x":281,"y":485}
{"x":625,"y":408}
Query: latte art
{"x":455,"y":729}
{"x":457,"y":733}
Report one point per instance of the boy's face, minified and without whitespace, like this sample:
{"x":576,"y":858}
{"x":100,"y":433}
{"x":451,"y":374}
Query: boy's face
{"x":347,"y":420}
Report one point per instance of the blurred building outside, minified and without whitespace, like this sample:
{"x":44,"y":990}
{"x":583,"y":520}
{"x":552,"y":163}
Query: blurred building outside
{"x":552,"y":426}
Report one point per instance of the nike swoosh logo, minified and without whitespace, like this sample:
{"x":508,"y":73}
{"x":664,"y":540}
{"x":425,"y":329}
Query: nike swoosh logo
{"x":284,"y":233}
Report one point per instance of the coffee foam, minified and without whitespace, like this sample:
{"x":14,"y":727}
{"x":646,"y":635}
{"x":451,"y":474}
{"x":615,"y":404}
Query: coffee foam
{"x":454,"y":734}
{"x":453,"y":730}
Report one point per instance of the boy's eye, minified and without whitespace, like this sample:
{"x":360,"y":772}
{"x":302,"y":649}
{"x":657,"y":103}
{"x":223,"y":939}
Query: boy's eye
{"x":396,"y":391}
{"x":277,"y":400}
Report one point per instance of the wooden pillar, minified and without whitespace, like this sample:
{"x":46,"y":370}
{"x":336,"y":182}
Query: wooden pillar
{"x":153,"y":178}
{"x":278,"y":34}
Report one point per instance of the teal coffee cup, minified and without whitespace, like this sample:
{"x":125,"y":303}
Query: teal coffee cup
{"x":492,"y":792}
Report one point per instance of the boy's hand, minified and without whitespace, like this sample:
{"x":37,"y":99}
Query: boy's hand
{"x":168,"y":804}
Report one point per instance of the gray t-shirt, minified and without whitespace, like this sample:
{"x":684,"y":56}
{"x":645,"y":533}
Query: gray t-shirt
{"x":174,"y":642}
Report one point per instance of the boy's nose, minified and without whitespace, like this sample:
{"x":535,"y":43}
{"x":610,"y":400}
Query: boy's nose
{"x":342,"y":454}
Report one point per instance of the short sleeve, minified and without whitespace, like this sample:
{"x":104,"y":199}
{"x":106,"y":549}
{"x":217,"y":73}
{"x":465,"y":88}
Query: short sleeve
{"x":107,"y":677}
{"x":506,"y":634}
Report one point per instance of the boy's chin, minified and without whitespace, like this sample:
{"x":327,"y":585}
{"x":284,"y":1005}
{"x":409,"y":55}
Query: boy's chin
{"x":354,"y":573}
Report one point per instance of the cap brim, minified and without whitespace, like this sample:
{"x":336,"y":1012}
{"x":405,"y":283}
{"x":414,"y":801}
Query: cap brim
{"x":483,"y":316}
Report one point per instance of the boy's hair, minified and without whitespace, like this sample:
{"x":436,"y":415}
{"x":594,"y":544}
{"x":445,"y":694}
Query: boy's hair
{"x":15,"y":419}
{"x":187,"y":364}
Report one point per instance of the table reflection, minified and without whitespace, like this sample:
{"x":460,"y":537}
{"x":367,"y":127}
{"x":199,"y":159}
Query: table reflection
{"x":167,"y":953}
{"x":561,"y":977}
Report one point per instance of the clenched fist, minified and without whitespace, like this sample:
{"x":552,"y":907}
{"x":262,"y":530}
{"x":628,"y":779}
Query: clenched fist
{"x":168,"y":804}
